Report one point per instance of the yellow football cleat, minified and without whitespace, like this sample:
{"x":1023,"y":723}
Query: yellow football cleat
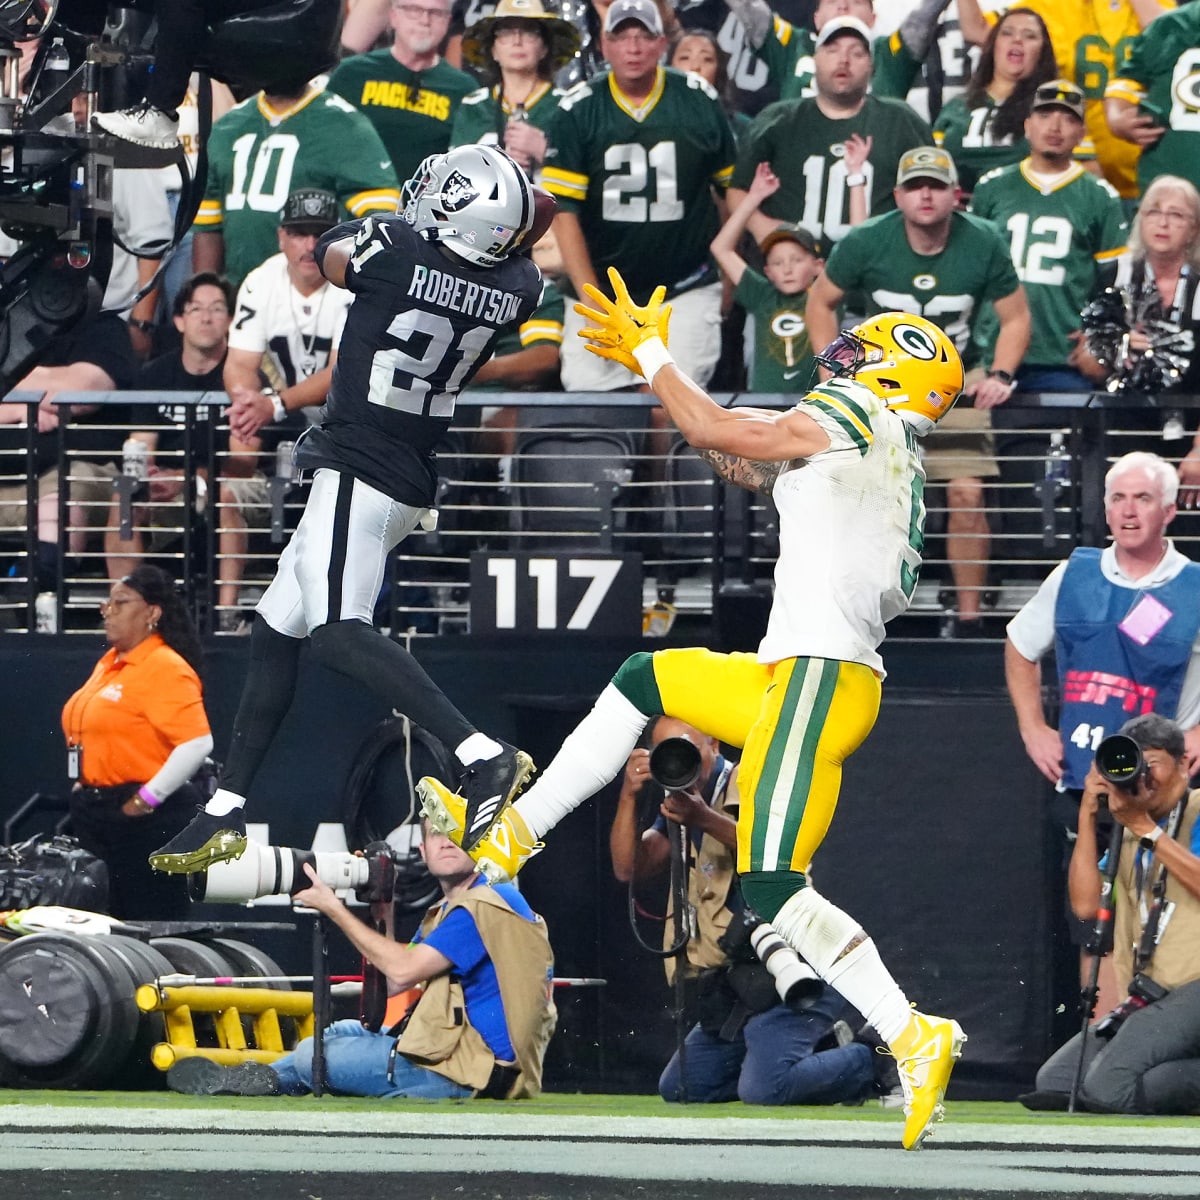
{"x":487,"y":787}
{"x":502,"y":851}
{"x":925,"y":1055}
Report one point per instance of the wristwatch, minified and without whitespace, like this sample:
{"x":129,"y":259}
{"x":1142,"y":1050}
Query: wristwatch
{"x":1003,"y":376}
{"x":280,"y":411}
{"x":1148,"y":840}
{"x":856,"y":180}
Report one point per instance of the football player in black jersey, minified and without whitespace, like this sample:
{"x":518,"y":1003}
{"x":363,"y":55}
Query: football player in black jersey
{"x":433,"y":288}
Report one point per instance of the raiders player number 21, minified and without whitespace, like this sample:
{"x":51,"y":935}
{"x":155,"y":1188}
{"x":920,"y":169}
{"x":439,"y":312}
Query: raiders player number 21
{"x":433,"y":288}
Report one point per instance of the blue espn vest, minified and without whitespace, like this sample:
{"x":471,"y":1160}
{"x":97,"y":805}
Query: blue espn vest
{"x":1105,"y":677}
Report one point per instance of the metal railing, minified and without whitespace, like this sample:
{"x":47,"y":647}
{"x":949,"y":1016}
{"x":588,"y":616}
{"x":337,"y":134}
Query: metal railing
{"x":585,"y":474}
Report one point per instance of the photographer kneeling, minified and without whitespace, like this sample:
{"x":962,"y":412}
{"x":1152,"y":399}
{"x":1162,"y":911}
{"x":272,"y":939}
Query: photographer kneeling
{"x":480,"y":1026}
{"x":1144,"y":1056}
{"x":748,"y":1044}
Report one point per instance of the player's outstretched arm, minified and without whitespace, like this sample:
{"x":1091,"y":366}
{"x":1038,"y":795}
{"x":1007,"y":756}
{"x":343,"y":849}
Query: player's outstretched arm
{"x":753,"y":476}
{"x":635,"y":335}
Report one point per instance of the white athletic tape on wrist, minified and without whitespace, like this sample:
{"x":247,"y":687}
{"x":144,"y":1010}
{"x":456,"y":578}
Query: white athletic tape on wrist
{"x":652,"y":356}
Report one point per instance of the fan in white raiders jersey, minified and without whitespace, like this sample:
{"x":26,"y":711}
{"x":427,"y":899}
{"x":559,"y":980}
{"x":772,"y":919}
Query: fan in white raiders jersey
{"x":433,"y":290}
{"x":287,"y":310}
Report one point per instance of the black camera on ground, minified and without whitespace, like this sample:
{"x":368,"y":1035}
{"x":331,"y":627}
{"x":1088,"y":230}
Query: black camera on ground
{"x":1120,"y":762}
{"x":279,"y":871}
{"x":1143,"y":991}
{"x":675,"y":764}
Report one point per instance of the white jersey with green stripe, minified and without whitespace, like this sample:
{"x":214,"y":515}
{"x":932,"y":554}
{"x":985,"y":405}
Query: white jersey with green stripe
{"x":851,"y":528}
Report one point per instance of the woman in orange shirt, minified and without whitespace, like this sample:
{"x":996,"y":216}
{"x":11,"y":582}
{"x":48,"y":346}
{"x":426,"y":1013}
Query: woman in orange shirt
{"x":136,"y":735}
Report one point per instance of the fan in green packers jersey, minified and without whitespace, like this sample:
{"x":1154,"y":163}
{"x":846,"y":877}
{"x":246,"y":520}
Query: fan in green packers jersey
{"x":635,"y":156}
{"x":1155,"y":103}
{"x":776,"y":296}
{"x":274,"y":144}
{"x":805,"y":141}
{"x":930,"y":260}
{"x":984,"y":128}
{"x":787,"y":50}
{"x":1066,"y":230}
{"x":407,"y":90}
{"x":517,"y":50}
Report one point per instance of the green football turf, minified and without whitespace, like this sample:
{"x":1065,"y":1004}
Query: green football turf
{"x":569,"y":1104}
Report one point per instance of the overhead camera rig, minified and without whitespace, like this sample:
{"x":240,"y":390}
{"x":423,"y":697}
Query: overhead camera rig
{"x":56,"y":178}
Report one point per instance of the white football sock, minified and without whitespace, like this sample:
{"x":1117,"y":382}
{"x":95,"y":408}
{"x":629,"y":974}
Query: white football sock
{"x":478,"y":746}
{"x":223,"y":803}
{"x":594,"y":752}
{"x":820,"y":931}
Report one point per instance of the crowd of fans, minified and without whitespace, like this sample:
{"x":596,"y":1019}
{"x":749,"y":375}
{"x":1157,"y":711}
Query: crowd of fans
{"x":874,"y":155}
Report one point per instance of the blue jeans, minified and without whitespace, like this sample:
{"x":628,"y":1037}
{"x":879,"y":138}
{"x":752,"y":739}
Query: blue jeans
{"x":771,"y":1061}
{"x":356,"y":1064}
{"x":1034,"y":378}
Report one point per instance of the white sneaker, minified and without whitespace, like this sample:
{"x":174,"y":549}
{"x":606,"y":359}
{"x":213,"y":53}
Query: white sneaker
{"x":141,"y":125}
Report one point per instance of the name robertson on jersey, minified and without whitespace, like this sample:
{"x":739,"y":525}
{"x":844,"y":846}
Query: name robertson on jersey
{"x":489,"y":304}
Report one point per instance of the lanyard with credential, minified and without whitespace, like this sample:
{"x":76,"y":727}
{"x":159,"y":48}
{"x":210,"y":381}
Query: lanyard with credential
{"x":1144,"y":950}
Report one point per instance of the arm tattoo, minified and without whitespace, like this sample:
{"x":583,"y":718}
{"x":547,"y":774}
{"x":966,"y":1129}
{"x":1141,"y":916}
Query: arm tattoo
{"x":745,"y":472}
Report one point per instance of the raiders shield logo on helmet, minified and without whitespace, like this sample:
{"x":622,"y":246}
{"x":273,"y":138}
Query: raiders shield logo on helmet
{"x":457,"y":192}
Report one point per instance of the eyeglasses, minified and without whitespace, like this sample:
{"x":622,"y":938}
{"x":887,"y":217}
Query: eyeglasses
{"x":213,"y":310}
{"x":414,"y":12}
{"x":106,"y":606}
{"x":1172,"y":216}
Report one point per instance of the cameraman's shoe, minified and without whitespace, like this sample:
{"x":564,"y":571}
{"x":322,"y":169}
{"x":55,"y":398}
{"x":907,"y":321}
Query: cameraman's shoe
{"x":502,"y":851}
{"x":925,"y":1054}
{"x":142,"y":125}
{"x":207,"y":840}
{"x":486,"y":789}
{"x":202,"y":1077}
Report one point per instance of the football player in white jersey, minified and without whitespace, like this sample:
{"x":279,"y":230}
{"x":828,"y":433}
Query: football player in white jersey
{"x":844,"y":471}
{"x":433,"y":290}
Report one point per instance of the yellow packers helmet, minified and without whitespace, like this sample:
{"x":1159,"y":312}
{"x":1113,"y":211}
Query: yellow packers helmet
{"x":907,"y":361}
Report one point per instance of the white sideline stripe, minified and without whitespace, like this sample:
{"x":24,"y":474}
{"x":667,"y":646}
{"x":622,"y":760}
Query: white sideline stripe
{"x":494,"y":1124}
{"x":942,"y":1173}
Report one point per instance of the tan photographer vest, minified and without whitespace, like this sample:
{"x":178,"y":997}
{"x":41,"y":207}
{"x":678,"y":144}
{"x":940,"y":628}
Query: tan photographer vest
{"x":437,"y":1035}
{"x":709,"y":881}
{"x":1176,"y":959}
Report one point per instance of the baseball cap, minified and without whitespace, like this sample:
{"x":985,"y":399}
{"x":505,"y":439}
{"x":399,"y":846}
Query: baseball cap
{"x":1059,"y":93}
{"x":310,"y":206}
{"x":926,"y":162}
{"x":791,"y":233}
{"x":644,"y":11}
{"x":837,"y":25}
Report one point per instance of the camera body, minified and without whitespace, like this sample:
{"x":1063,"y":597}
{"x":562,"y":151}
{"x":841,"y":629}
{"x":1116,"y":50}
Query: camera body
{"x":1143,"y":991}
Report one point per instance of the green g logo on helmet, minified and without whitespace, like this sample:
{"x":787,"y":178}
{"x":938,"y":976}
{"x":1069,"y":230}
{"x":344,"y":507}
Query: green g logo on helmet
{"x":916,"y":341}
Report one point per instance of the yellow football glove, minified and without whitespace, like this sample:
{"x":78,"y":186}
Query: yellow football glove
{"x":619,"y":326}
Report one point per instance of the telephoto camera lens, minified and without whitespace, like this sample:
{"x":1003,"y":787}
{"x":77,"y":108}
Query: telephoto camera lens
{"x":675,"y":764}
{"x":1119,"y":760}
{"x":275,"y":871}
{"x":796,"y":982}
